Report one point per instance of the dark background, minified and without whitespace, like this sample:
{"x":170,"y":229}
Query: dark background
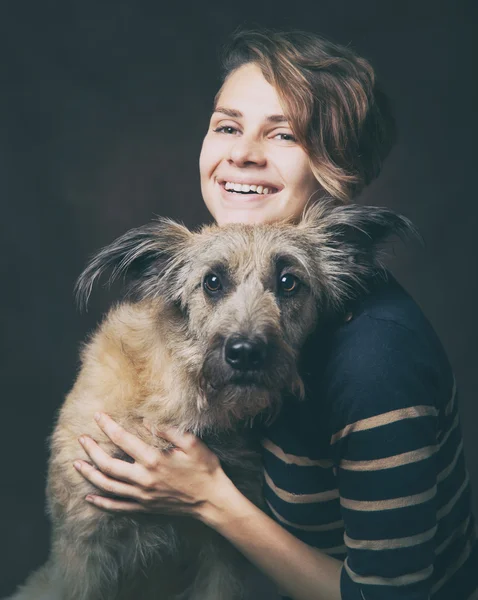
{"x":103,"y":106}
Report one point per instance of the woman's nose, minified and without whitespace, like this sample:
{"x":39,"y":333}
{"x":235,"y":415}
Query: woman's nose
{"x":247,"y":151}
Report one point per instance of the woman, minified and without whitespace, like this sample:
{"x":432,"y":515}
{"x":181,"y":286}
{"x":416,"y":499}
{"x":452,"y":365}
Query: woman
{"x":365,"y":482}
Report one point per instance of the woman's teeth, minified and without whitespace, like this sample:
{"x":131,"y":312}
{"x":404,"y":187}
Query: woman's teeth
{"x":247,"y":189}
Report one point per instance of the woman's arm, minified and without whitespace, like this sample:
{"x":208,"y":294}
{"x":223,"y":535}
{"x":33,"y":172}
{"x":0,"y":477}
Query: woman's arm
{"x":300,"y":571}
{"x":189,"y":480}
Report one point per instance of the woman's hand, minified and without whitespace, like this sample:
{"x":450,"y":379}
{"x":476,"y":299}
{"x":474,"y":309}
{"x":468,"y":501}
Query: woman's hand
{"x":177,"y":481}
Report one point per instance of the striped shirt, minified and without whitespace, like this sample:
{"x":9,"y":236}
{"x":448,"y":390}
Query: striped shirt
{"x":370,"y":467}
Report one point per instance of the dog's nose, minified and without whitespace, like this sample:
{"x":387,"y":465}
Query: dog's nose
{"x":245,"y":354}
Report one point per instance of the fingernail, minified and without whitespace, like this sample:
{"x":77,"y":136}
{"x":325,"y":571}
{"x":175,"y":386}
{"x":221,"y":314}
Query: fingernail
{"x":89,"y":498}
{"x":77,"y":465}
{"x":97,"y":416}
{"x":81,"y":440}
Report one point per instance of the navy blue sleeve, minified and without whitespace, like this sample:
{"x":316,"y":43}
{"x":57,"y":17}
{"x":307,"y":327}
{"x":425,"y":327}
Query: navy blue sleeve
{"x":383,"y":395}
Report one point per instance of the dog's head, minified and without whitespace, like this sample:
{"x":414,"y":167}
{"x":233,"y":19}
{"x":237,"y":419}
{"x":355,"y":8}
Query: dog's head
{"x":250,"y":294}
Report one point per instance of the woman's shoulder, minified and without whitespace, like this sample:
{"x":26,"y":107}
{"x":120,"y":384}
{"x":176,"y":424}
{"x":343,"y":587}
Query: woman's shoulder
{"x":384,"y":324}
{"x":386,"y":357}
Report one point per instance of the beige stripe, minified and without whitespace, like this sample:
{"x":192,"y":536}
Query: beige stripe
{"x":392,"y":416}
{"x":454,"y":425}
{"x":324,"y":527}
{"x":390,"y":544}
{"x":394,"y":581}
{"x":389,"y":462}
{"x":336,"y":550}
{"x":458,"y":531}
{"x":456,"y":566}
{"x":451,"y":404}
{"x":291,"y":459}
{"x":402,"y":502}
{"x":446,"y":509}
{"x":447,"y":470}
{"x":300,"y":498}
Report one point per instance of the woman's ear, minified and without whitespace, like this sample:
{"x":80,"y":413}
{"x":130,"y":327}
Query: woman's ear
{"x":144,"y":255}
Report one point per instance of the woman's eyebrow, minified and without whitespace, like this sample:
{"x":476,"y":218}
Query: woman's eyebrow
{"x":236,"y":114}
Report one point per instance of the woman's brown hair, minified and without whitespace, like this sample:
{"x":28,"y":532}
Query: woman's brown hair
{"x":330,"y":98}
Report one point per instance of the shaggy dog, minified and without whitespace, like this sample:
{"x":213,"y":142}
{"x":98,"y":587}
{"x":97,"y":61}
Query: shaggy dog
{"x":207,"y":341}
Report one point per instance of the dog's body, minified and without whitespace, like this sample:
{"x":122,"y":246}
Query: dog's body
{"x":118,"y":377}
{"x":211,"y":342}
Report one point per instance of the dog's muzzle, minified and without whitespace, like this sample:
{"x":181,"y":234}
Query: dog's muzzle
{"x":247,"y":361}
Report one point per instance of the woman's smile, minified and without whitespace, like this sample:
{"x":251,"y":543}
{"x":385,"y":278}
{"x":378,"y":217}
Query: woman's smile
{"x":232,"y":195}
{"x":235,"y":192}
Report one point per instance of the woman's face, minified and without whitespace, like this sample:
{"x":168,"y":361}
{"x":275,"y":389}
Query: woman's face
{"x":252,"y":169}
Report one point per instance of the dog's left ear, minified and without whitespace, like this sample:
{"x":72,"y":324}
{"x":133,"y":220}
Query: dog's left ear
{"x":348,"y":239}
{"x":145,"y":255}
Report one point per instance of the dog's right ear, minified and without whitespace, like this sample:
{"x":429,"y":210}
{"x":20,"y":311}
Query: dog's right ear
{"x":144,"y":254}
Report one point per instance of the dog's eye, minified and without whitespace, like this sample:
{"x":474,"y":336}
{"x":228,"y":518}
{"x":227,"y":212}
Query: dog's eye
{"x":289,"y":284}
{"x":212,"y":283}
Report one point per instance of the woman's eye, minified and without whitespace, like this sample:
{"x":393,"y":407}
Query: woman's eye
{"x":212,"y":283}
{"x":225,"y":129}
{"x":289,"y":284}
{"x":286,"y":137}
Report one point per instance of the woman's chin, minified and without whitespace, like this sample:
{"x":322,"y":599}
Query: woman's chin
{"x":249,"y":214}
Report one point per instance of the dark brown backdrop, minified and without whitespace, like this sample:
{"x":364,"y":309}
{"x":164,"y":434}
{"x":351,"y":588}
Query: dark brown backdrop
{"x":102,"y":109}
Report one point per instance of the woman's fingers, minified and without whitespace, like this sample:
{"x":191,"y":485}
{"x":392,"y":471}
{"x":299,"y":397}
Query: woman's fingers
{"x":184,"y":441}
{"x":119,"y":469}
{"x":175,"y":482}
{"x":105,"y":483}
{"x":113,"y":505}
{"x":129,"y":443}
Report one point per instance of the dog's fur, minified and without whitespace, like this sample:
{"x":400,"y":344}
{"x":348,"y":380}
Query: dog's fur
{"x":159,"y":356}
